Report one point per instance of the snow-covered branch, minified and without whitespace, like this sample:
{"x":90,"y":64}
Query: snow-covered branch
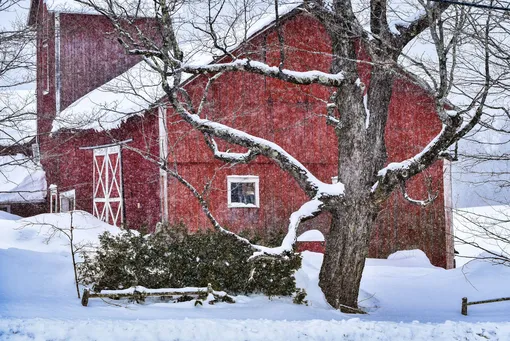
{"x":247,"y":65}
{"x":423,"y":203}
{"x":422,"y":21}
{"x":308,"y":210}
{"x":306,"y":180}
{"x":229,"y":156}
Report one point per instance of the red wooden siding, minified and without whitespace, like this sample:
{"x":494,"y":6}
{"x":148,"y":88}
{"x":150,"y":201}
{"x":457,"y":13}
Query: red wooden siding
{"x":90,"y":55}
{"x":292,"y":118}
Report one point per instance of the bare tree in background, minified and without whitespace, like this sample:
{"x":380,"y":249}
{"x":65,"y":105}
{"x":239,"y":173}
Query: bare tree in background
{"x":17,"y":68}
{"x":365,"y":181}
{"x":16,"y":49}
{"x":482,"y":170}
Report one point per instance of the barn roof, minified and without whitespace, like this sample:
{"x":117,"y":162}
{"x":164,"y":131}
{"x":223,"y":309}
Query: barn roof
{"x":70,"y":6}
{"x":21,"y":180}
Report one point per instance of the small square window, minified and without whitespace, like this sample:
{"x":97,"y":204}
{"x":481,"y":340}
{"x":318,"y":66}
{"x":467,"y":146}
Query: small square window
{"x":243,"y":191}
{"x":68,"y":201}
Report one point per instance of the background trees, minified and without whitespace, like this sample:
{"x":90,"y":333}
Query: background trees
{"x":448,"y":50}
{"x":17,"y":71}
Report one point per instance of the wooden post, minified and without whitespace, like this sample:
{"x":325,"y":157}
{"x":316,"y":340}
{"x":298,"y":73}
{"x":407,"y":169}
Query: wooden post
{"x":85,"y":297}
{"x":464,"y":306}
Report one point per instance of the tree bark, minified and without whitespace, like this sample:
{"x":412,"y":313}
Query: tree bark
{"x":361,"y":154}
{"x":346,"y":251}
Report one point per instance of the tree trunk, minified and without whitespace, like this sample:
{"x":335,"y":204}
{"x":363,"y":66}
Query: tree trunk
{"x":361,"y":154}
{"x":346,"y":251}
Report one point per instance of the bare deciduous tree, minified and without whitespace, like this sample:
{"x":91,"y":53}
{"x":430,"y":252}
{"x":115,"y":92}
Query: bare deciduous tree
{"x":17,"y":68}
{"x":459,"y":39}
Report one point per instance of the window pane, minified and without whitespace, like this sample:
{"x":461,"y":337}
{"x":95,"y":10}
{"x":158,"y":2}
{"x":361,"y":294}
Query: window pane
{"x":242,"y":192}
{"x":64,"y":205}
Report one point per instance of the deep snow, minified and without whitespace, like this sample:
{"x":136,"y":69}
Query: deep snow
{"x":38,"y":300}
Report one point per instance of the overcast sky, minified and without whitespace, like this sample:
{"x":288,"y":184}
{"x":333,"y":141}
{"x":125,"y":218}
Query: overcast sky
{"x":17,"y":12}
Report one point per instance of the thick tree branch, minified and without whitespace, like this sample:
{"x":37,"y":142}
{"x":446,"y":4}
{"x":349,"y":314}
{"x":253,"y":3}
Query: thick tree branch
{"x":306,"y":180}
{"x":422,"y":22}
{"x":247,"y":65}
{"x":307,"y":211}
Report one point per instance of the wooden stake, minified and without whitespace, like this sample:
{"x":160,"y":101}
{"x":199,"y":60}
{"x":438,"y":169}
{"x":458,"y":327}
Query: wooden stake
{"x":464,"y":306}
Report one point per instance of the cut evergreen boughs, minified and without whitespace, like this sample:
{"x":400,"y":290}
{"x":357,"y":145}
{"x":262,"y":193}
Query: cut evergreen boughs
{"x":173,"y":258}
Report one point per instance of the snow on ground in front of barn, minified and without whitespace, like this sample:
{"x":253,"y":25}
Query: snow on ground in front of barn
{"x":46,"y":232}
{"x":407,"y":299}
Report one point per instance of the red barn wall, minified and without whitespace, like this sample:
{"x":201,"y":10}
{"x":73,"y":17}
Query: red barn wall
{"x":72,"y":168}
{"x":291,"y":117}
{"x":89,"y":57}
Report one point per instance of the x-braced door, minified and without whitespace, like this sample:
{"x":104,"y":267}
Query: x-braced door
{"x":108,"y":198}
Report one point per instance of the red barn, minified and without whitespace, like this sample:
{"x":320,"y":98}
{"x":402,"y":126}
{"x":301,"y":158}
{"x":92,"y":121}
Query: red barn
{"x":95,"y":137}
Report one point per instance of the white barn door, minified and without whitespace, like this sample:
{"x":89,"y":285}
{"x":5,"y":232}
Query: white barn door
{"x":108,"y":198}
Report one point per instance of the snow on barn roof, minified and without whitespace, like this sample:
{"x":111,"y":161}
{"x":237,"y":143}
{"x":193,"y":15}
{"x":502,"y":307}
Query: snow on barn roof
{"x":139,"y":88}
{"x":106,"y":107}
{"x":134,"y":7}
{"x":21,"y":180}
{"x":17,"y":117}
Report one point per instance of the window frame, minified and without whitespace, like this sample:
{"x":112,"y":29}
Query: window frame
{"x":242,"y":179}
{"x":71,"y":194}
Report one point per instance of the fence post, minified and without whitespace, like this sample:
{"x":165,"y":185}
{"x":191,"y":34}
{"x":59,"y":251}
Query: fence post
{"x":85,"y":297}
{"x":464,"y":306}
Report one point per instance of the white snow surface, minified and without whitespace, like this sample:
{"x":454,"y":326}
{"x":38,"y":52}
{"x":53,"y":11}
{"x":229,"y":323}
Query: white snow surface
{"x":21,"y":180}
{"x":8,"y":216}
{"x":311,"y":236}
{"x":46,"y":232}
{"x":406,"y":299}
{"x":143,"y":8}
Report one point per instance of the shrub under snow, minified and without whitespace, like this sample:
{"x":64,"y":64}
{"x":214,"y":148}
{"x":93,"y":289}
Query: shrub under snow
{"x":173,"y":258}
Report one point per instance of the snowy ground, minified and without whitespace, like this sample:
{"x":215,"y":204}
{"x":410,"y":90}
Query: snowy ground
{"x":408,"y":299}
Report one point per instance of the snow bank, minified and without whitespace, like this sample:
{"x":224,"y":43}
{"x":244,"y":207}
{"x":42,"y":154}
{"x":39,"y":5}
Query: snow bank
{"x":41,"y":233}
{"x":8,"y":216}
{"x":311,"y":236}
{"x":207,"y":329}
{"x":21,"y":180}
{"x":407,"y":258}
